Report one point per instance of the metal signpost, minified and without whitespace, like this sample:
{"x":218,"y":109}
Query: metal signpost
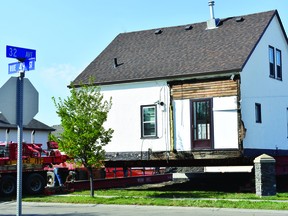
{"x":26,"y":58}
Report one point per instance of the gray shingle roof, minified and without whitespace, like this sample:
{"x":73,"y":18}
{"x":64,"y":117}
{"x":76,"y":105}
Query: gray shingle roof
{"x":177,"y":52}
{"x":33,"y":125}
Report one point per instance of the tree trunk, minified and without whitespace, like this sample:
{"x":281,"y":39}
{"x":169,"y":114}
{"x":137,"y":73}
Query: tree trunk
{"x":91,"y":181}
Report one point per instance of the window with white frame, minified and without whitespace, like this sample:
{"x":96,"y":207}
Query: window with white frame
{"x":148,"y":121}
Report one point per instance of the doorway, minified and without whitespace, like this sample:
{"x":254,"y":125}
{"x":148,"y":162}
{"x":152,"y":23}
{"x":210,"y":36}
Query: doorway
{"x":201,"y":124}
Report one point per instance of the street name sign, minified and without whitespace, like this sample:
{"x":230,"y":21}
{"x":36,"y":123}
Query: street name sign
{"x":21,"y":66}
{"x":19,"y":53}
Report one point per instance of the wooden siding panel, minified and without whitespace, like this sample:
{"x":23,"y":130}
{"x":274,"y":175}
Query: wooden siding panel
{"x":205,"y":89}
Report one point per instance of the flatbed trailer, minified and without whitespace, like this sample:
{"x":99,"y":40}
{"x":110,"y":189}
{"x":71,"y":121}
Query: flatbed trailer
{"x":109,"y":183}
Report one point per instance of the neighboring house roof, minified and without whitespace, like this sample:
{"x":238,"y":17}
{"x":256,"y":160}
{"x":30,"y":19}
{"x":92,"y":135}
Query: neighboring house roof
{"x":33,"y":125}
{"x":58,"y":129}
{"x":178,"y":52}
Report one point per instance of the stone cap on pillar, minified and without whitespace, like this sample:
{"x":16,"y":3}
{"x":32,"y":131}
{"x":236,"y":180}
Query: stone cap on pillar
{"x":264,"y":158}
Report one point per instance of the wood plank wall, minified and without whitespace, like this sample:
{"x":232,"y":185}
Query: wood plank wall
{"x":205,"y":89}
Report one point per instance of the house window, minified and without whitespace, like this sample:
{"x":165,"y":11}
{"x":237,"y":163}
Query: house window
{"x":149,"y":121}
{"x":278,"y":64}
{"x":258,"y":116}
{"x":275,"y":63}
{"x":272,"y":61}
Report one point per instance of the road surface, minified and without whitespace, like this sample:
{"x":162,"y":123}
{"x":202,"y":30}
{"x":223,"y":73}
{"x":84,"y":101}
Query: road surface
{"x":33,"y":209}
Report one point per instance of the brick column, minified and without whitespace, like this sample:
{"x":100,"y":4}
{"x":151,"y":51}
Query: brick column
{"x":265,"y":180}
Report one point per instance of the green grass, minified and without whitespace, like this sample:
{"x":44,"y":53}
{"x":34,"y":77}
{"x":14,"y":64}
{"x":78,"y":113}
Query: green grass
{"x":170,"y":198}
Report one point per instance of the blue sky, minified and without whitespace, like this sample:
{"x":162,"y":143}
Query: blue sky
{"x":68,"y":34}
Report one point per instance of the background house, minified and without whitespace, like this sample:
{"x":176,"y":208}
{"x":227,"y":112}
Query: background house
{"x":34,"y":132}
{"x":215,"y":89}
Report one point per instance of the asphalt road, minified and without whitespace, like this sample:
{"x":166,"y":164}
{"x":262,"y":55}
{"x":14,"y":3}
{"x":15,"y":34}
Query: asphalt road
{"x":32,"y":209}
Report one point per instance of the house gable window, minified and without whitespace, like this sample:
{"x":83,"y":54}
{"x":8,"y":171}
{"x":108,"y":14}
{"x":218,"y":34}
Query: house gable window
{"x":272,"y":61}
{"x":148,"y":121}
{"x":258,"y":115}
{"x":275,"y":63}
{"x":278,"y":64}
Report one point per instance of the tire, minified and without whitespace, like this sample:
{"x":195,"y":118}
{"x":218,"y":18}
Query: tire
{"x":8,"y":185}
{"x":34,"y":183}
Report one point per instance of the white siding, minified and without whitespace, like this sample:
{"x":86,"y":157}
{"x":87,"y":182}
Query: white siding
{"x":272,"y":94}
{"x":225,"y":122}
{"x":124,"y":117}
{"x":224,"y":119}
{"x":182,"y":122}
{"x":40,"y":137}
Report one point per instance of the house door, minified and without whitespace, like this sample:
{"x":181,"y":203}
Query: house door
{"x":201,"y":124}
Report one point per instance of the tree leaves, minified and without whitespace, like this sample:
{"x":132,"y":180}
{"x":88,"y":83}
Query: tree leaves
{"x":82,"y":115}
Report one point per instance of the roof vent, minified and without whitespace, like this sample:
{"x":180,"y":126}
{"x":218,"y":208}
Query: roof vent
{"x":211,"y":6}
{"x":239,"y":19}
{"x":115,"y":63}
{"x":159,"y":31}
{"x":212,"y":23}
{"x":189,"y":27}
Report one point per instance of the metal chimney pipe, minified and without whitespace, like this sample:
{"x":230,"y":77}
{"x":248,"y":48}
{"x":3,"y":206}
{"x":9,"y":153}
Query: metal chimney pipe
{"x":7,"y":150}
{"x":7,"y":135}
{"x":211,"y":4}
{"x":33,"y":136}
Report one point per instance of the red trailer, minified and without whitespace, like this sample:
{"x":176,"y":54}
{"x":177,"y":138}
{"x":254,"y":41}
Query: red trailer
{"x":36,"y":162}
{"x":39,"y":171}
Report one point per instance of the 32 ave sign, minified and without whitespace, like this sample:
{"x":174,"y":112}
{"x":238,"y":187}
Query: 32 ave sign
{"x":19,"y":53}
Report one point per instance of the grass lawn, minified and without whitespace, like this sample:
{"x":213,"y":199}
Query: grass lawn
{"x":171,"y":198}
{"x":170,"y":194}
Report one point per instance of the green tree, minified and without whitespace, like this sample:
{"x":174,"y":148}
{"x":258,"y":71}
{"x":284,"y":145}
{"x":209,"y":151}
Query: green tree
{"x":82,"y":116}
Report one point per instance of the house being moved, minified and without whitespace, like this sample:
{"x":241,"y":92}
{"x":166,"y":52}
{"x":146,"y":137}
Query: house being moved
{"x":209,"y":90}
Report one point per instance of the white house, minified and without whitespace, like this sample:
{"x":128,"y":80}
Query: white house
{"x":34,"y":132}
{"x":215,"y":89}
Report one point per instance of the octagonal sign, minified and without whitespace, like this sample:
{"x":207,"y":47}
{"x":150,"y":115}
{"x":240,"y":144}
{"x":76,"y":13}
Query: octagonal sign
{"x":8,"y":101}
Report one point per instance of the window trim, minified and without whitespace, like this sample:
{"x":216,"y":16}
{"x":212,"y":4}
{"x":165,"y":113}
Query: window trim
{"x":143,"y":136}
{"x":258,"y":113}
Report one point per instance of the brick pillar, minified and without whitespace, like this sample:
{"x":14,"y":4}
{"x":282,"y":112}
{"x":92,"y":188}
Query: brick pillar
{"x":265,"y":180}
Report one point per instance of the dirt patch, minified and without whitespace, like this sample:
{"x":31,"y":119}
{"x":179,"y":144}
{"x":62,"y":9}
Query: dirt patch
{"x":205,"y":182}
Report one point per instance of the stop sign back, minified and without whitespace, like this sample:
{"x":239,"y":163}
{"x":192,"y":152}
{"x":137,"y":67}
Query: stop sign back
{"x":8,"y":101}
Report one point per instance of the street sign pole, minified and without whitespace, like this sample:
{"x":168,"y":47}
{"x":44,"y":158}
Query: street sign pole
{"x":20,"y":84}
{"x":26,"y":58}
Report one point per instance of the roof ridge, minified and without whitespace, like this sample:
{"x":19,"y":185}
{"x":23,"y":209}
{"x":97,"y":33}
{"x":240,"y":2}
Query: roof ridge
{"x":196,"y":23}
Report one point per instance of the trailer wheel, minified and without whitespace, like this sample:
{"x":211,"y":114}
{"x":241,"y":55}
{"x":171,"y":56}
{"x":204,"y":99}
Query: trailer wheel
{"x":34,"y":183}
{"x":8,"y":185}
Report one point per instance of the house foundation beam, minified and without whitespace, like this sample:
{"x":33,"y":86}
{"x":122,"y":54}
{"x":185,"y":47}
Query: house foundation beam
{"x":180,"y":163}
